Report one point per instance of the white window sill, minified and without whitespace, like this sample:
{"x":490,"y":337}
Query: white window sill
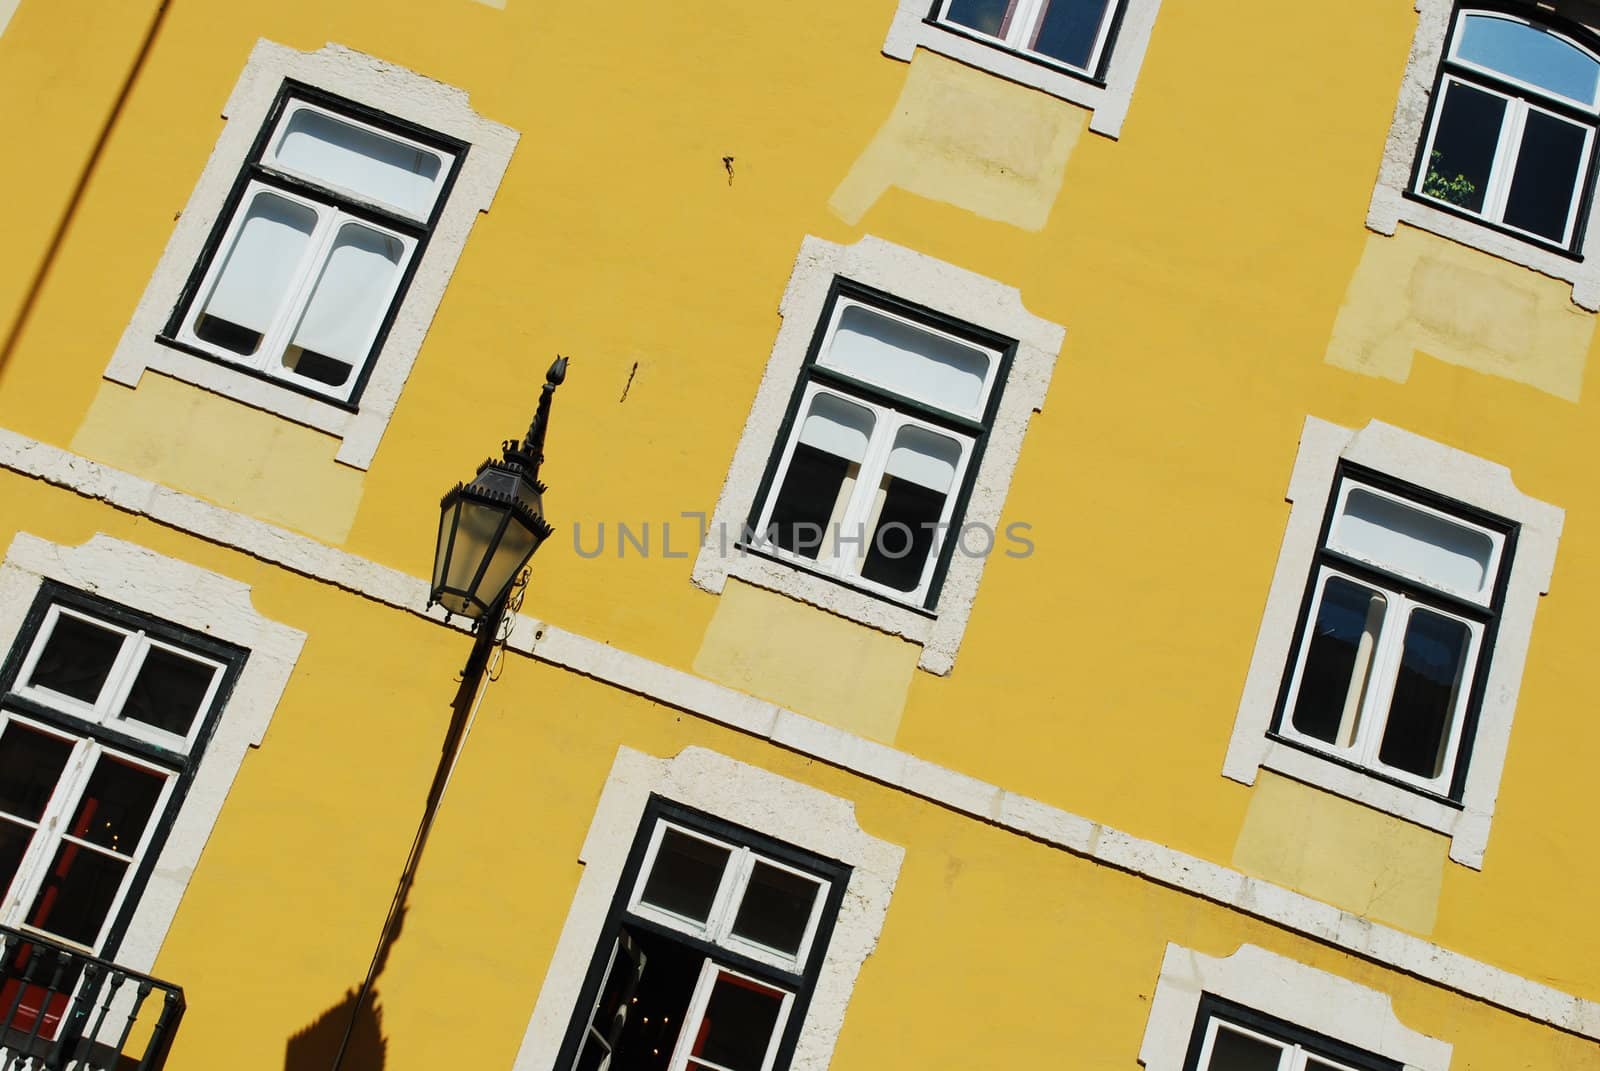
{"x":912,"y":29}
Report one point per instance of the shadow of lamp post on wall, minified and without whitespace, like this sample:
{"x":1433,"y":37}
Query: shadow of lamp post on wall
{"x":488,"y":531}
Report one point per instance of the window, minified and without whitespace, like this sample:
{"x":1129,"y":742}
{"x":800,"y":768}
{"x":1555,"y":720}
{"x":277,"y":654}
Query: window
{"x":1492,"y":144}
{"x":710,"y":953}
{"x":105,"y":715}
{"x":1085,"y":51}
{"x":1071,"y":33}
{"x":1397,"y":624}
{"x":888,"y":420}
{"x":1230,"y":1037}
{"x":329,"y":216}
{"x":1511,"y":137}
{"x":872,"y":469}
{"x":1258,"y":1011}
{"x":308,"y":263}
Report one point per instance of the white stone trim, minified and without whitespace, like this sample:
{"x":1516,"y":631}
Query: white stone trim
{"x":677,"y":690}
{"x":954,"y":291}
{"x":197,"y":599}
{"x":912,"y":29}
{"x":1284,"y":989}
{"x":395,"y":91}
{"x":797,"y":814}
{"x":1449,"y":472}
{"x":1390,"y":207}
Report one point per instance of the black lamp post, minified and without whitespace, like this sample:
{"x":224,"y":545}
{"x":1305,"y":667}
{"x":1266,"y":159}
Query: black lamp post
{"x":489,"y":528}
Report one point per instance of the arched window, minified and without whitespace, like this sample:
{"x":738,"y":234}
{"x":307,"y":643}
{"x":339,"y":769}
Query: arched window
{"x":1510,"y":138}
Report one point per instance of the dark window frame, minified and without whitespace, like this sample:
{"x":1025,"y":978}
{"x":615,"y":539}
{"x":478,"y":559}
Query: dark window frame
{"x":1475,"y":76}
{"x":183,"y":765}
{"x":810,"y":370}
{"x":253,"y":169}
{"x":802,"y":985}
{"x":1215,"y":1007}
{"x":1489,"y":616}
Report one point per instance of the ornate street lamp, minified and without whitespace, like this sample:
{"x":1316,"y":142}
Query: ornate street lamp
{"x":489,"y":528}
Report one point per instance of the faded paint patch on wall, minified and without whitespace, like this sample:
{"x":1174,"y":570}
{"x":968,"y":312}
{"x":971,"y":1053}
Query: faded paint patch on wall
{"x":969,"y":139}
{"x":1342,"y":853}
{"x":808,"y":660}
{"x":1414,"y":292}
{"x":236,"y":456}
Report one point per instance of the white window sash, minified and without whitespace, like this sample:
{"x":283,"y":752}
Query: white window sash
{"x":1382,"y":678}
{"x":1497,"y":542}
{"x":991,"y":372}
{"x":1023,"y":28}
{"x":107,"y":709}
{"x":285,"y":320}
{"x":709,"y":971}
{"x":51,"y":831}
{"x":843,"y":557}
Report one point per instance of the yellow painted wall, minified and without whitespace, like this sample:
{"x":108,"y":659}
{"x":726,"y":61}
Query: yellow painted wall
{"x":1207,"y":265}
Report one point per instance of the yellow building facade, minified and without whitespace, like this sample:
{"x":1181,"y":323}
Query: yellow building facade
{"x":1070,"y":523}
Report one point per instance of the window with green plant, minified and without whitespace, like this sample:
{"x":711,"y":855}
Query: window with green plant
{"x":1510,"y":138}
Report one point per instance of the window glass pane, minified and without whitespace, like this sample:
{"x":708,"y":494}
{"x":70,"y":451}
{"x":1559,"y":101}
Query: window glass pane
{"x":169,"y":690}
{"x":822,"y":473}
{"x":1338,"y":661}
{"x":77,"y":658}
{"x":261,"y":266}
{"x":1233,"y":1051}
{"x":77,"y":893}
{"x":30,"y":765}
{"x":686,"y":875}
{"x":363,"y":161}
{"x":1546,"y":180}
{"x":14,"y":840}
{"x":1463,"y":148}
{"x":908,"y":360}
{"x":651,"y":1018}
{"x":351,"y":297}
{"x":738,"y":1023}
{"x":1422,"y":714}
{"x":1411,"y":541}
{"x":776,"y":907}
{"x":1529,"y":55}
{"x":986,"y":16}
{"x":916,"y":482}
{"x":117,"y":805}
{"x":1068,"y":30}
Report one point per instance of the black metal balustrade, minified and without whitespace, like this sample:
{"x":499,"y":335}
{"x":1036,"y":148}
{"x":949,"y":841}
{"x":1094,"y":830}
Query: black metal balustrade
{"x":63,"y":1010}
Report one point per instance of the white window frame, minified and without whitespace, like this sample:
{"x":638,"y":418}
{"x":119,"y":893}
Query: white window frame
{"x":718,"y":926}
{"x":1285,"y":989}
{"x":106,"y":710}
{"x":784,"y":810}
{"x":1022,"y":27}
{"x":1453,"y":474}
{"x":1297,"y":1054}
{"x":385,"y":88}
{"x":1105,"y":88}
{"x":952,"y":292}
{"x":855,"y":519}
{"x":1410,"y":134}
{"x":195,"y":599}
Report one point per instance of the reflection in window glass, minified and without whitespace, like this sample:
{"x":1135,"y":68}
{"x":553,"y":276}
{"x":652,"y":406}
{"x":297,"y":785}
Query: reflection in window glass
{"x":1545,"y":185}
{"x":686,"y":875}
{"x":1338,"y":662}
{"x":988,"y":17}
{"x":776,"y":908}
{"x":77,"y":893}
{"x":345,"y":309}
{"x":822,"y":474}
{"x":1432,"y":662}
{"x":31,"y":763}
{"x":77,"y":659}
{"x":1068,"y":30}
{"x":738,"y":1024}
{"x":1462,"y":153}
{"x":916,"y":482}
{"x":169,"y":691}
{"x":1529,"y":55}
{"x":117,"y":805}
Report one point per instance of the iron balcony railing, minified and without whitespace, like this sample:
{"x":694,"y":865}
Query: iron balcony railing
{"x":64,"y":1010}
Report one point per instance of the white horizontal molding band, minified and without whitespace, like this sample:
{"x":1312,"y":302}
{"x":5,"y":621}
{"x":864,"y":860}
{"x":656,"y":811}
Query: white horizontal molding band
{"x":694,"y":695}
